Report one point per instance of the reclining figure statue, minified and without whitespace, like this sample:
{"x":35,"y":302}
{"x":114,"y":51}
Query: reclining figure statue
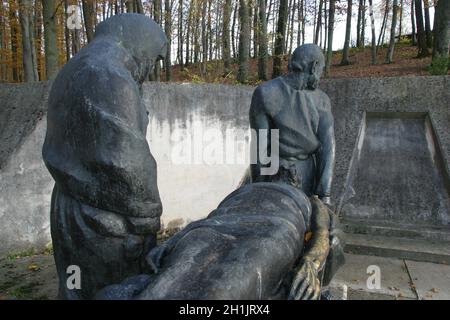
{"x":250,"y":247}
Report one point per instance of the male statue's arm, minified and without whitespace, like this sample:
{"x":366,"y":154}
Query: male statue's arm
{"x":306,"y":284}
{"x":326,"y":152}
{"x":258,"y":120}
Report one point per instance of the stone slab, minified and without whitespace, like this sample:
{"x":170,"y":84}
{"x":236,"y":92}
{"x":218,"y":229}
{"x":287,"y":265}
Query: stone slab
{"x":431,"y":280}
{"x":395,"y":281}
{"x":401,"y":248}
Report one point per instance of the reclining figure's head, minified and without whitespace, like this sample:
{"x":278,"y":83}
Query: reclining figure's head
{"x":309,"y":60}
{"x":142,"y":37}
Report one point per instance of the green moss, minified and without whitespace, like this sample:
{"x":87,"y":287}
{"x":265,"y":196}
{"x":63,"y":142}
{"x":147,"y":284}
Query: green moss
{"x":439,"y":66}
{"x":23,"y":292}
{"x":22,"y":254}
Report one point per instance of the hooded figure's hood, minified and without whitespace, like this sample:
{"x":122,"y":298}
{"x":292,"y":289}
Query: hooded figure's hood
{"x":142,"y":37}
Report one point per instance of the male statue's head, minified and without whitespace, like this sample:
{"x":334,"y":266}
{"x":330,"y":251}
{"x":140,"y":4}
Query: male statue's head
{"x":142,"y":37}
{"x":307,"y":63}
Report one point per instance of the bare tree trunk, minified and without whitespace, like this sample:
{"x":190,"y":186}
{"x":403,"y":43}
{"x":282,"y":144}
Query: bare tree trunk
{"x":329,"y":61}
{"x":66,"y":32}
{"x":51,"y":48}
{"x":130,"y":6}
{"x":89,"y":18}
{"x":209,"y":32}
{"x":262,"y":39}
{"x":188,"y":34}
{"x":441,"y":30}
{"x":363,"y":29}
{"x":390,"y":52}
{"x":421,"y":37}
{"x":374,"y":44}
{"x":304,"y":21}
{"x":255,"y":28}
{"x":180,"y":34}
{"x":14,"y":31}
{"x":156,"y":76}
{"x":400,"y":25}
{"x":325,"y":29}
{"x":358,"y":24}
{"x":413,"y":24}
{"x":275,"y":14}
{"x":168,"y":31}
{"x":348,"y":27}
{"x":319,"y":23}
{"x":291,"y":33}
{"x":139,"y":8}
{"x":233,"y":28}
{"x":280,"y":39}
{"x":428,"y":33}
{"x":25,"y":16}
{"x":244,"y":41}
{"x":3,"y":75}
{"x":38,"y":23}
{"x":383,"y":25}
{"x":299,"y":19}
{"x":226,"y":37}
{"x":204,"y":38}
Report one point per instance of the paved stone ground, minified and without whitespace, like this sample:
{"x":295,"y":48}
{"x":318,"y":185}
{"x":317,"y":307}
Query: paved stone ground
{"x":399,"y":279}
{"x":33,"y":276}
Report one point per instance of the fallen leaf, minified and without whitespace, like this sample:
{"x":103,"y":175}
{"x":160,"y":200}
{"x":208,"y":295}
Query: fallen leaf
{"x":34,"y":267}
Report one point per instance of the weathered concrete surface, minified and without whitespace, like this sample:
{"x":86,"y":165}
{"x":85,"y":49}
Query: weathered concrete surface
{"x":22,"y":106}
{"x":190,"y":191}
{"x":397,"y":179}
{"x":436,"y":251}
{"x":394,"y":279}
{"x":25,"y":190}
{"x":431,"y":280}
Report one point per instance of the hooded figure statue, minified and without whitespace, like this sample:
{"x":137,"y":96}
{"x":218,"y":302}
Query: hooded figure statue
{"x":105,"y":208}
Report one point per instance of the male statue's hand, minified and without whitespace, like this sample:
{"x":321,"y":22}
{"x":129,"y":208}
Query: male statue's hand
{"x":306,"y":284}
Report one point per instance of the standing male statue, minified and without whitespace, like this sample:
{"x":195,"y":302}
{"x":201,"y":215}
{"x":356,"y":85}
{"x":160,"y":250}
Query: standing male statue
{"x":295,"y":106}
{"x":302,"y":113}
{"x":105,"y":208}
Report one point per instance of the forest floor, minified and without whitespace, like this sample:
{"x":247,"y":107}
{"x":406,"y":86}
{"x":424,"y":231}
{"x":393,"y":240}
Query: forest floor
{"x":405,"y":63}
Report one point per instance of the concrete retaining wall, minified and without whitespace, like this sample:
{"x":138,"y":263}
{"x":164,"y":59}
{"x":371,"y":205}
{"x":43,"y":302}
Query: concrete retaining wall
{"x":218,"y":115}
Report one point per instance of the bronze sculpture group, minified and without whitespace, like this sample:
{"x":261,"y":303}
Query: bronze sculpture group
{"x":106,"y":208}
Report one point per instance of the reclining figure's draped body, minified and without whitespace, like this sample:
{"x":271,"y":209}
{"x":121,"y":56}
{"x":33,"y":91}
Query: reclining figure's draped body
{"x":245,"y":249}
{"x":105,"y":209}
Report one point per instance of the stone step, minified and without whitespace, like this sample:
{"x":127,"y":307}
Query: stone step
{"x":434,"y":233}
{"x":396,"y":247}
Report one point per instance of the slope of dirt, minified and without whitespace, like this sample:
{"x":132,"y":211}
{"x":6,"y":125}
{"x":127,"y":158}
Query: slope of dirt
{"x":405,"y":64}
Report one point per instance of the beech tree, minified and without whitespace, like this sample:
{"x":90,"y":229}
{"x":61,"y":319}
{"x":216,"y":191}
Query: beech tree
{"x":262,"y":41}
{"x":28,"y":46}
{"x":442,"y":34}
{"x":348,"y":28}
{"x":390,"y":52}
{"x":51,"y":49}
{"x":244,"y":42}
{"x":280,"y":38}
{"x":421,"y":37}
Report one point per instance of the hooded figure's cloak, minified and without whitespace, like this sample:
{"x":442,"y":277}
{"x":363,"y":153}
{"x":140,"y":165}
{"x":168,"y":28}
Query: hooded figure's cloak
{"x":106,"y":207}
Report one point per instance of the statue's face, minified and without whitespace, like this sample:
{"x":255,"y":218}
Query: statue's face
{"x":318,"y":70}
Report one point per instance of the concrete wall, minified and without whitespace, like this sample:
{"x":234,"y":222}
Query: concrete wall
{"x":190,"y":191}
